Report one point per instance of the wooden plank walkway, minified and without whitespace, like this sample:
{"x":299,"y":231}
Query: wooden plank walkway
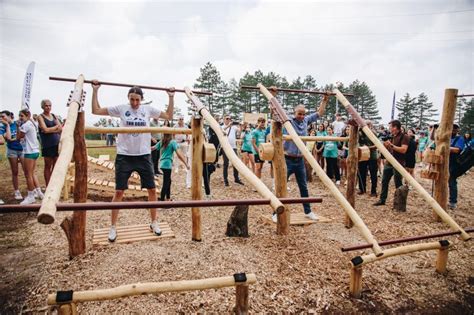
{"x":131,"y":233}
{"x":300,"y":219}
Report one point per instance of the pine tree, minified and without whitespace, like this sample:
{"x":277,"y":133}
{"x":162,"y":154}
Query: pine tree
{"x":424,"y":112}
{"x":461,"y":104}
{"x":210,"y":80}
{"x":467,"y":121}
{"x":364,"y":101}
{"x":406,"y":111}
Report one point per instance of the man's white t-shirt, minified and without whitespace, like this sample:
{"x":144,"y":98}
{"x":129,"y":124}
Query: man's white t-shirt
{"x":338,"y":127}
{"x":30,"y":142}
{"x":231,"y":135}
{"x":134,"y":143}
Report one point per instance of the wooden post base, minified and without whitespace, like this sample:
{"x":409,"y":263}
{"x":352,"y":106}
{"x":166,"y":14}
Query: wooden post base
{"x":355,"y":288}
{"x":238,"y":222}
{"x":241,"y":299}
{"x":67,"y":309}
{"x":348,"y":222}
{"x":442,"y":261}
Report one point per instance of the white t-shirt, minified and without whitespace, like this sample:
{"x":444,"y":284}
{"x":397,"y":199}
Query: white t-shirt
{"x":179,"y":137}
{"x":231,"y":135}
{"x":30,"y":142}
{"x":338,"y":127}
{"x":134,"y":143}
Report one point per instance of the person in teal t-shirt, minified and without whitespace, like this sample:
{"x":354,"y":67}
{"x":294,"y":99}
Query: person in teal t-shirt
{"x":330,"y":154}
{"x":422,"y":142}
{"x":247,"y":146}
{"x":258,"y":136}
{"x":167,"y":146}
{"x":321,"y":132}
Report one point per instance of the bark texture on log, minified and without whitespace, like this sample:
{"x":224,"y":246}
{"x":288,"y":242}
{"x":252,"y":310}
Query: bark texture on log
{"x":400,"y":198}
{"x":238,"y":222}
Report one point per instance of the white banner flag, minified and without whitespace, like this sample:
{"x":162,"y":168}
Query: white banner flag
{"x":27,"y":85}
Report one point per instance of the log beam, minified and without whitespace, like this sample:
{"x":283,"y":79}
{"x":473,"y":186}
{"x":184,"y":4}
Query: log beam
{"x":279,"y":175}
{"x":196,"y":176}
{"x":352,"y":163}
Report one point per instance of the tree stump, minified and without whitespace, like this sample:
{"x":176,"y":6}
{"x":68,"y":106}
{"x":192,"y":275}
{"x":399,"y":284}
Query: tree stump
{"x":237,"y":226}
{"x":400,"y":198}
{"x":309,"y":171}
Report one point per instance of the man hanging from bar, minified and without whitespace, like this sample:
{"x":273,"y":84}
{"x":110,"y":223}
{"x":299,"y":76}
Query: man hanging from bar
{"x":133,"y":150}
{"x":293,"y":157}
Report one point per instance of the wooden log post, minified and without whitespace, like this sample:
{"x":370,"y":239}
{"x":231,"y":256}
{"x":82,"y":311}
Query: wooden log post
{"x":75,"y":226}
{"x":355,"y":287}
{"x":196,"y":175}
{"x":352,"y":163}
{"x":442,"y":257}
{"x":279,"y":175}
{"x":237,"y":225}
{"x":241,"y":299}
{"x":410,"y":179}
{"x":443,"y":142}
{"x":67,"y":309}
{"x":47,"y":211}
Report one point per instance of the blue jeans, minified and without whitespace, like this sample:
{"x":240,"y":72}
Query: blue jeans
{"x":296,"y":166}
{"x":453,"y":184}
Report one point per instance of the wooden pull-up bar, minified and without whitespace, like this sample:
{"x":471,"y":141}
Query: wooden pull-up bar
{"x":114,"y":130}
{"x":250,"y":87}
{"x":147,"y":87}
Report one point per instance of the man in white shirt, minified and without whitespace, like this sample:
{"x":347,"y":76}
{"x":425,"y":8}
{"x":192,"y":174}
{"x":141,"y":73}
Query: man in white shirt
{"x":230,"y":131}
{"x":133,"y":149}
{"x":338,"y":125}
{"x":183,"y":141}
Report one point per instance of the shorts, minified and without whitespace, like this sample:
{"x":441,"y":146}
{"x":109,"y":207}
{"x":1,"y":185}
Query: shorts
{"x":126,"y":164}
{"x":14,"y":153}
{"x":257,"y":159}
{"x":246,"y":151}
{"x":31,"y":156}
{"x":50,"y":151}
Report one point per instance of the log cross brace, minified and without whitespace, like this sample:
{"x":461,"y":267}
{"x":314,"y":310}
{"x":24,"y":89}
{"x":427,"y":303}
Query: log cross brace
{"x":278,"y":114}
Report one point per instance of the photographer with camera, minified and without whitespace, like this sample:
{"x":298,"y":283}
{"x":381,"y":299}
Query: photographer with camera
{"x":230,"y":130}
{"x":398,"y":146}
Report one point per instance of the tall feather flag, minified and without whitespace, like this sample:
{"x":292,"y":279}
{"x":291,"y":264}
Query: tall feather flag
{"x":393,"y":107}
{"x":27,"y":86}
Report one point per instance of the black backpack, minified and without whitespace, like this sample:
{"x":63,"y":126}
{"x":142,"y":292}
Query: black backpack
{"x":465,"y":160}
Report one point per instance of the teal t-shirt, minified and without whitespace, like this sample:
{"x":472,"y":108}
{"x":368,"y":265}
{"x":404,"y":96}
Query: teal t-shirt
{"x":321,"y":134}
{"x":247,"y":142}
{"x":422,"y":144}
{"x":330,"y":149}
{"x":259,"y":136}
{"x":166,"y":155}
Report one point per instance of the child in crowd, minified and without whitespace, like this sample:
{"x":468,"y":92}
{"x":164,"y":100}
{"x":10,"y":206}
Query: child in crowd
{"x":248,"y":153}
{"x":330,"y":154}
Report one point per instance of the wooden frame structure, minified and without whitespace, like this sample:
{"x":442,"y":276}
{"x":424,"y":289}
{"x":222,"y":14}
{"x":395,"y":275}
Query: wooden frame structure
{"x":67,"y":300}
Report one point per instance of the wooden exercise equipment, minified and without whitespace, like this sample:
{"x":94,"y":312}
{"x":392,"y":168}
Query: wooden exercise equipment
{"x":320,"y":172}
{"x":364,"y":153}
{"x":209,"y":153}
{"x":116,"y":130}
{"x":131,"y":233}
{"x":240,"y":281}
{"x":266,"y":151}
{"x":412,"y":181}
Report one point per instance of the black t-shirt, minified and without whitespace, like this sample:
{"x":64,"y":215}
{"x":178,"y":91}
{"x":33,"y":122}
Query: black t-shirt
{"x":410,"y":155}
{"x":399,"y":140}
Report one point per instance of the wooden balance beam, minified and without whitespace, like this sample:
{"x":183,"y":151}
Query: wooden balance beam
{"x":316,"y":138}
{"x":358,"y":262}
{"x":67,"y":299}
{"x":322,"y":175}
{"x":410,"y":179}
{"x":109,"y":186}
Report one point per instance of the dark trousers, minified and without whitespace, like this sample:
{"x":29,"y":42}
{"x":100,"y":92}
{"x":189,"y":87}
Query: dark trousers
{"x":388,"y":172}
{"x":371,"y":165}
{"x":296,"y":166}
{"x":155,"y":157}
{"x":453,"y":183}
{"x":226,"y":166}
{"x":332,"y":169}
{"x":206,"y":176}
{"x":166,"y":188}
{"x":109,"y":140}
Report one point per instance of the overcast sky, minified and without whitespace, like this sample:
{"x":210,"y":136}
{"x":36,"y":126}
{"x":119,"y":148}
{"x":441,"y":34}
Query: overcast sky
{"x":407,"y":46}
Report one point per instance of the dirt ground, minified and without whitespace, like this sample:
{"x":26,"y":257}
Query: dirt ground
{"x":302,"y":272}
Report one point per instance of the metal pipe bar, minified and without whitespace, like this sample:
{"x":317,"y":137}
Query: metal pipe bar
{"x":250,"y":87}
{"x":102,"y":147}
{"x":154,"y":204}
{"x":148,"y":87}
{"x":114,"y":130}
{"x":406,"y":239}
{"x":465,"y":95}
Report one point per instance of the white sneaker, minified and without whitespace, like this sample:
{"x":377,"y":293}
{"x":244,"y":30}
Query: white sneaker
{"x":155,"y":228}
{"x":312,"y":216}
{"x":112,"y":234}
{"x":274,"y":218}
{"x":28,"y":200}
{"x":2,"y":202}
{"x":18,"y":195}
{"x":208,"y":197}
{"x":39,"y":194}
{"x":338,"y":182}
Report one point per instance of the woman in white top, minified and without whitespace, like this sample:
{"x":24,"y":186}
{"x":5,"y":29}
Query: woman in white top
{"x":29,"y":138}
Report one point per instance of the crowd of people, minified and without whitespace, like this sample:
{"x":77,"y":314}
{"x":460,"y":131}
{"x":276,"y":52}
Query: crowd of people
{"x":153,"y":155}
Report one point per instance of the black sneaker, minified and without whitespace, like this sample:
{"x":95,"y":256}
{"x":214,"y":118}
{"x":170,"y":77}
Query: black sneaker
{"x":226,"y":184}
{"x":379,"y":203}
{"x":239,"y":182}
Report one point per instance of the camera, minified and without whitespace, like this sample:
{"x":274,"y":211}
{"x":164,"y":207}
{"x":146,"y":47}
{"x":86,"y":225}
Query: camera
{"x":386,"y":137}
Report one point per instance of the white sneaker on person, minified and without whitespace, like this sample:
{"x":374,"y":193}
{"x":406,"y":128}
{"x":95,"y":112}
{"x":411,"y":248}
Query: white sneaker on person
{"x":274,"y":218}
{"x":18,"y":195}
{"x":155,"y":228}
{"x":28,"y":200}
{"x":209,"y":197}
{"x":112,"y":234}
{"x":338,"y":182}
{"x":312,"y":216}
{"x":2,"y":202}
{"x":39,"y":194}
